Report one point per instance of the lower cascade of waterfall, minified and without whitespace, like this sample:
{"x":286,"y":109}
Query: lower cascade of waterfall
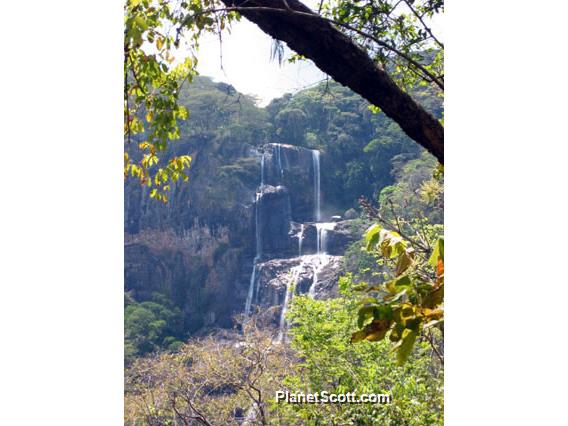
{"x":290,"y":289}
{"x":322,"y":258}
{"x":253,"y":287}
{"x":258,"y":245}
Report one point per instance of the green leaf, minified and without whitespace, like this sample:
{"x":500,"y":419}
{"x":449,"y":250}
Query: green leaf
{"x":438,"y":253}
{"x":365,"y":316}
{"x":399,"y":284}
{"x":405,"y":345}
{"x":396,"y":333}
{"x":372,"y":236}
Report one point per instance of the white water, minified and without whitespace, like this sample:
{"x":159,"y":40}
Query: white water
{"x":317,"y":262}
{"x":257,"y":280}
{"x":262,"y":171}
{"x":279,"y":160}
{"x":300,"y":239}
{"x":258,"y":237}
{"x":290,"y":288}
{"x":317,"y":268}
{"x":251,"y":289}
{"x":321,"y":257}
{"x":322,"y":228}
{"x":317,"y":192}
{"x":257,"y":224}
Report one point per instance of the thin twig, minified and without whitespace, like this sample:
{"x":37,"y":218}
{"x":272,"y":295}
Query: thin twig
{"x":433,"y":345}
{"x":428,"y":30}
{"x":373,"y":213}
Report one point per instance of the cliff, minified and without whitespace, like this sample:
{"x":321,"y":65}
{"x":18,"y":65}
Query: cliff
{"x":257,"y":223}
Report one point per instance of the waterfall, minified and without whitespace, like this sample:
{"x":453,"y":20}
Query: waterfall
{"x":274,"y":165}
{"x":300,"y":239}
{"x":317,"y":192}
{"x":258,"y":237}
{"x":262,"y":171}
{"x":257,"y":285}
{"x":279,"y":160}
{"x":312,"y":290}
{"x":251,"y":289}
{"x":257,"y":225}
{"x":321,"y":236}
{"x":295,"y":272}
{"x":321,"y":257}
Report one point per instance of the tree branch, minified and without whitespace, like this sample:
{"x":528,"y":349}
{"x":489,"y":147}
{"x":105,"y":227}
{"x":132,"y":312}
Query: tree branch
{"x":347,"y":63}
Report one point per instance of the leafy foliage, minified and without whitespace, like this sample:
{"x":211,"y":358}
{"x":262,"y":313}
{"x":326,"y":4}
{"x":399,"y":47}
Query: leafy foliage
{"x":151,"y":325}
{"x":321,"y":333}
{"x":404,"y":299}
{"x":417,"y":193}
{"x":211,"y":381}
{"x":153,"y":80}
{"x":223,"y":380}
{"x":397,"y":34}
{"x":407,"y":304}
{"x":358,"y":145}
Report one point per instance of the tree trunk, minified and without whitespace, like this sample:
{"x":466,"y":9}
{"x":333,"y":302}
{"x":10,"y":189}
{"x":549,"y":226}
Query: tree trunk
{"x":335,"y":54}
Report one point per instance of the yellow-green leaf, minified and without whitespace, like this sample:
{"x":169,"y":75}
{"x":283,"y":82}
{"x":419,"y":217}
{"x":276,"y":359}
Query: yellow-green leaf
{"x":405,"y":345}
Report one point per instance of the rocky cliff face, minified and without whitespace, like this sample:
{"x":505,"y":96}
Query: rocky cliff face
{"x":296,"y":251}
{"x":198,"y":248}
{"x":245,"y":230}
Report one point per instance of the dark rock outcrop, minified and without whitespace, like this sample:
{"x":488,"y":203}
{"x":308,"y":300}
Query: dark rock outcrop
{"x":198,"y":249}
{"x":310,"y":274}
{"x":336,"y":240}
{"x":274,"y":217}
{"x":292,"y":167}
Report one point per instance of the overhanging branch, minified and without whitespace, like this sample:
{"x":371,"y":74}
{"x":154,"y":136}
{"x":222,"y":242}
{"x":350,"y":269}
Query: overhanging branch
{"x":337,"y":55}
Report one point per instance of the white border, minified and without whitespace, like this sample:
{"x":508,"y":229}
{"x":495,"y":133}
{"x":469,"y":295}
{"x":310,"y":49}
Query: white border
{"x":505,"y":213}
{"x":61,"y":239}
{"x":61,"y":222}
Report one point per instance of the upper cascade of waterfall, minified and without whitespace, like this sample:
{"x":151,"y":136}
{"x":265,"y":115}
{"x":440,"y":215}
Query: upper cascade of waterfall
{"x":262,"y":163}
{"x":279,"y":160}
{"x":317,"y":185}
{"x":298,"y":169}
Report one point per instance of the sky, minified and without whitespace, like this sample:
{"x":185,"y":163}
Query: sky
{"x":247,"y":65}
